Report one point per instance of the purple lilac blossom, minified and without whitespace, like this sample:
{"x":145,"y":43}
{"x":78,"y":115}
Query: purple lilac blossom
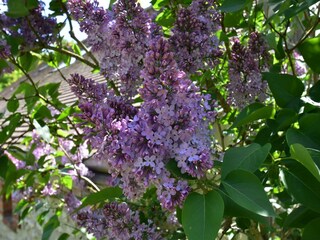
{"x":4,"y":49}
{"x":18,"y":163}
{"x":114,"y":221}
{"x":245,"y":66}
{"x":136,"y":143}
{"x":35,"y":29}
{"x":193,"y":40}
{"x":49,"y":190}
{"x":299,"y":65}
{"x":119,"y":38}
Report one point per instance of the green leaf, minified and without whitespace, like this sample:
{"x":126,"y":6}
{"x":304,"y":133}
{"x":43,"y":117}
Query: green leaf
{"x":286,"y":89}
{"x":101,"y":196}
{"x":31,"y":4}
{"x":301,"y":184}
{"x":312,"y":230}
{"x":247,"y":158}
{"x":310,"y":50}
{"x":165,"y":18}
{"x":64,"y":236}
{"x":66,"y":113}
{"x":314,"y":92}
{"x":283,"y":119}
{"x":49,"y":227}
{"x":76,"y":49}
{"x":17,"y":8}
{"x":67,"y":181}
{"x":301,"y":154}
{"x":13,"y":104}
{"x":202,"y":215}
{"x":308,"y":133}
{"x":232,"y":209}
{"x":28,"y":61}
{"x":252,"y":113}
{"x":158,"y":4}
{"x":233,"y":5}
{"x":299,"y":217}
{"x":246,"y":190}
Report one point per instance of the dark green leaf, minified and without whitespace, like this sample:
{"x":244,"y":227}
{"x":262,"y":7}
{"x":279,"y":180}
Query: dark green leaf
{"x":312,"y":230}
{"x":31,"y":4}
{"x":247,"y":158}
{"x":233,"y":5}
{"x":286,"y":89}
{"x":64,"y":236}
{"x":252,"y":113}
{"x":301,"y":184}
{"x":246,"y":190}
{"x":299,"y":217}
{"x":202,"y":215}
{"x":101,"y":196}
{"x":314,"y":92}
{"x":13,"y":104}
{"x":49,"y":227}
{"x":233,"y":209}
{"x":283,"y":119}
{"x":310,"y":50}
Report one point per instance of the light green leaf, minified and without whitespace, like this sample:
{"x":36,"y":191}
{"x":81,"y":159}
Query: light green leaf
{"x":67,"y":181}
{"x":202,"y":215}
{"x":301,"y":154}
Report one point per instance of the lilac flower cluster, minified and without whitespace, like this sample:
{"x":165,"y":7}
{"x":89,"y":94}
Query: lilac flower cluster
{"x":136,"y":143}
{"x":4,"y":49}
{"x":245,"y":67}
{"x":114,"y":221}
{"x":193,"y":40}
{"x":35,"y":29}
{"x":119,"y":38}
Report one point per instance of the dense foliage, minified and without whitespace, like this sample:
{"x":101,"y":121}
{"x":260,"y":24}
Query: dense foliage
{"x":207,"y":125}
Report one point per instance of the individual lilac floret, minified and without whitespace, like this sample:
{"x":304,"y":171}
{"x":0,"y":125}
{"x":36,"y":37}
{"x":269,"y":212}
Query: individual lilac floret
{"x":245,"y":66}
{"x":193,"y":40}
